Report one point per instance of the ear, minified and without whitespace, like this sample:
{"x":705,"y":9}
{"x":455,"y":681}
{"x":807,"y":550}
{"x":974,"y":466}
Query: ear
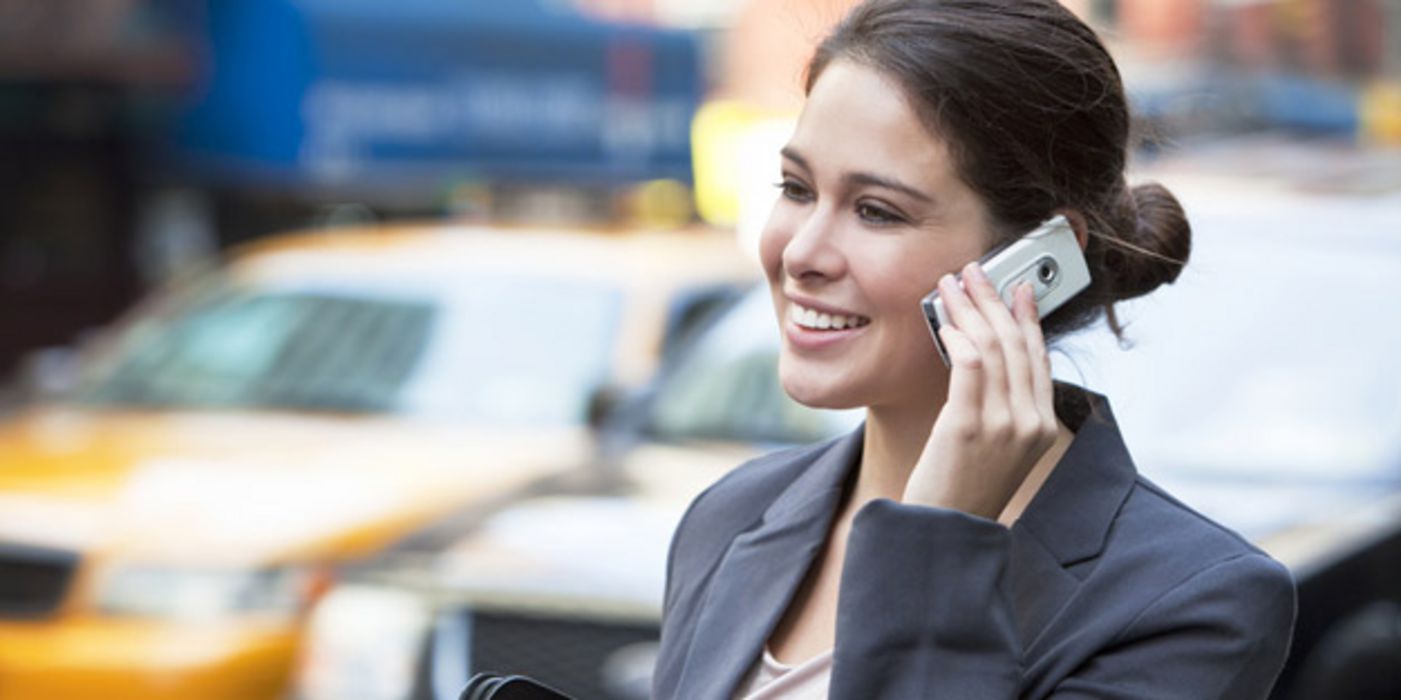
{"x":1077,"y":223}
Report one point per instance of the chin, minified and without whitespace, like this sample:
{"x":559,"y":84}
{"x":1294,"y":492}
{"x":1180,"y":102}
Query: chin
{"x":817,"y":392}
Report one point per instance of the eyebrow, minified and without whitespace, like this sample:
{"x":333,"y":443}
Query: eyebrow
{"x":861,"y":178}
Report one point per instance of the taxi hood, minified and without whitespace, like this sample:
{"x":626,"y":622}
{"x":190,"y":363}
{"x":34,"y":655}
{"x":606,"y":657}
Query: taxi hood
{"x":244,"y":488}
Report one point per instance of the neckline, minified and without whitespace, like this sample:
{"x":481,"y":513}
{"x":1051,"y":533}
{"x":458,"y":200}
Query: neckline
{"x":772,"y":662}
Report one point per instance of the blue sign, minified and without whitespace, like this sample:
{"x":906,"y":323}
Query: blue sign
{"x":358,"y":91}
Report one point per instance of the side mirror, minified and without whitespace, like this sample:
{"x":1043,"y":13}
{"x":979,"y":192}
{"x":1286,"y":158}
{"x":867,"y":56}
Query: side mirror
{"x":604,"y":404}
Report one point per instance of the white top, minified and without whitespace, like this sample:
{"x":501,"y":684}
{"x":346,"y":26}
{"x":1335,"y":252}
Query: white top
{"x":771,"y":680}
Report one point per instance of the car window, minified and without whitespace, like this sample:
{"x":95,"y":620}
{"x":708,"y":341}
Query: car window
{"x":491,"y":348}
{"x":243,"y":348}
{"x":725,"y":386}
{"x":516,"y":349}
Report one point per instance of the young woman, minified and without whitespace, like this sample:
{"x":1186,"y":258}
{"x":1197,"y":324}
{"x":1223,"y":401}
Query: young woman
{"x":985,"y":534}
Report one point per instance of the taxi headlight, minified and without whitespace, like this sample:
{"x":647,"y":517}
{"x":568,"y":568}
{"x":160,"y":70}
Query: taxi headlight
{"x":202,"y":594}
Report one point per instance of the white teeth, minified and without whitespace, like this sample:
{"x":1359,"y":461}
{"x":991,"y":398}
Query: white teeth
{"x":809,"y":318}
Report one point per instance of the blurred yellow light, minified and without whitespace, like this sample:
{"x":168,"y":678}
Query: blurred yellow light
{"x":1381,"y":113}
{"x":714,"y":140}
{"x":721,"y":140}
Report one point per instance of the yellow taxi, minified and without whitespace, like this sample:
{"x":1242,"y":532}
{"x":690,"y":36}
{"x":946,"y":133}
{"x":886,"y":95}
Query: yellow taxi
{"x":317,"y":399}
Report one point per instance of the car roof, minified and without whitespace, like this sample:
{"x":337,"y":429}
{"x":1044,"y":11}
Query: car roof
{"x":447,"y":251}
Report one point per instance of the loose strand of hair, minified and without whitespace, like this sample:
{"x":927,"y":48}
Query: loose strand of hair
{"x":1138,"y":249}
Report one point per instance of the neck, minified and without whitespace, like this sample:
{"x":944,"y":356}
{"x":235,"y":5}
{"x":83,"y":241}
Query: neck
{"x":895,"y":438}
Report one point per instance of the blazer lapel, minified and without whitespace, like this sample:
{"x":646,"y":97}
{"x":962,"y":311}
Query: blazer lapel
{"x":1068,"y":521}
{"x":759,"y":573}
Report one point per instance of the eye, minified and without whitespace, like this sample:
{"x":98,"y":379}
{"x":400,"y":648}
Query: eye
{"x":794,"y":190}
{"x":875,"y":214}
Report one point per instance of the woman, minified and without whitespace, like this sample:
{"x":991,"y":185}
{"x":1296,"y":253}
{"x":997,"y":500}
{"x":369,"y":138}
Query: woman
{"x":985,"y":535}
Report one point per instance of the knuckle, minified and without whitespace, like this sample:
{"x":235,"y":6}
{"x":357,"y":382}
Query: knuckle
{"x":964,"y":430}
{"x":987,"y":343}
{"x":1000,"y":426}
{"x":1028,"y":429}
{"x":966,"y":359}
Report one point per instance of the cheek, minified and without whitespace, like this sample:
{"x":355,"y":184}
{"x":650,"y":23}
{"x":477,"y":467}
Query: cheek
{"x":894,"y":278}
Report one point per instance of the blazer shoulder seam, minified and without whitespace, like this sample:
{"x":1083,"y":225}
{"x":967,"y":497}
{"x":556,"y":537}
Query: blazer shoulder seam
{"x":1157,"y":491}
{"x":1185,"y":581}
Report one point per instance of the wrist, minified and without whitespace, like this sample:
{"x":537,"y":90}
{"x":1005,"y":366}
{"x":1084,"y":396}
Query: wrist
{"x":983,"y":506}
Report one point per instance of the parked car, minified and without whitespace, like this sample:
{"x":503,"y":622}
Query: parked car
{"x":165,"y":526}
{"x":1262,"y":389}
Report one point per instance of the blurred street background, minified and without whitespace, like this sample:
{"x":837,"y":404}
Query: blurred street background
{"x":329,"y":326}
{"x":143,"y":136}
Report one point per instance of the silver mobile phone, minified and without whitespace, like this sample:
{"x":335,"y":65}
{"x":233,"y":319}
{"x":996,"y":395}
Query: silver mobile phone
{"x":1048,"y":257}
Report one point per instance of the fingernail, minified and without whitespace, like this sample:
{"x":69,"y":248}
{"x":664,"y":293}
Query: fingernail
{"x":975,"y":270}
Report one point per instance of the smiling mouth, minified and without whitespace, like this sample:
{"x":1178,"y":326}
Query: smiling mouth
{"x":819,"y":321}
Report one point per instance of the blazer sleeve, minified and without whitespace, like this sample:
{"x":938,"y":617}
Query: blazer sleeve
{"x":924,"y":612}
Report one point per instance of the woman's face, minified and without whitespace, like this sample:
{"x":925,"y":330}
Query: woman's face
{"x":871,"y":215}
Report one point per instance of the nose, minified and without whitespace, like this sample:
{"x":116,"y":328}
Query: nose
{"x":814,"y":253}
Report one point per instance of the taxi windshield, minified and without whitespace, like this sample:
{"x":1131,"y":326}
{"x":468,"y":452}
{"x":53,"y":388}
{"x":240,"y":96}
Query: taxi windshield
{"x":492,"y":349}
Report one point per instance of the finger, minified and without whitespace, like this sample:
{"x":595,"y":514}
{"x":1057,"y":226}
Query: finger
{"x":1043,"y":386}
{"x":969,"y":320}
{"x":966,"y":374}
{"x":1017,"y":370}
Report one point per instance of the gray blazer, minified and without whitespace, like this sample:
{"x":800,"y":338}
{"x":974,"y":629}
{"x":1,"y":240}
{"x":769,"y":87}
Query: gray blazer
{"x":1106,"y":587}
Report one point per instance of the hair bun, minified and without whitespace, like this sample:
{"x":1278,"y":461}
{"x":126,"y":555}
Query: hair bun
{"x":1156,"y":246}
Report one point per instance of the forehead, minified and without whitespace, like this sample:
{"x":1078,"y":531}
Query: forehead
{"x":857,"y":118}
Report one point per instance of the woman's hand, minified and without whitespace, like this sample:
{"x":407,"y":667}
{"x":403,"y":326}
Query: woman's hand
{"x":999,"y":418}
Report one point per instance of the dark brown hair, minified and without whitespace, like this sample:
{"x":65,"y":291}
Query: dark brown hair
{"x":1032,"y":108}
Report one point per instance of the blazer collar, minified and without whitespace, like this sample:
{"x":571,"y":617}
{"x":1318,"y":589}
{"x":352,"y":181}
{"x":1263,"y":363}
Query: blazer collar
{"x":819,"y":486}
{"x":1070,"y":516}
{"x":760,"y":571}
